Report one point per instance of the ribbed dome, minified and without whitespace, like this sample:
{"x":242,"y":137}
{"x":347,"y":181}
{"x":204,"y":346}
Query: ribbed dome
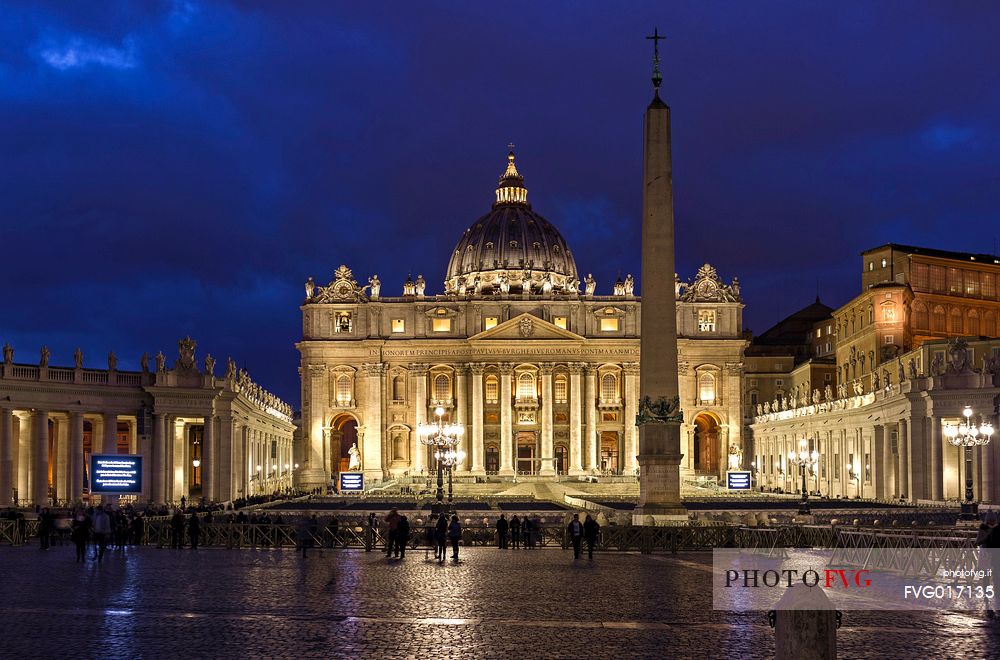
{"x":509,"y":245}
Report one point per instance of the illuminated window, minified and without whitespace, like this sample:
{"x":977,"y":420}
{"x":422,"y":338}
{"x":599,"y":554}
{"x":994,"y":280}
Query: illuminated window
{"x":884,"y":262}
{"x":706,"y":320}
{"x":972,"y":283}
{"x":442,"y":388}
{"x":706,"y":388}
{"x":955,"y":281}
{"x":344,"y":390}
{"x":492,"y":389}
{"x":989,"y":286}
{"x":819,"y":332}
{"x":609,"y":388}
{"x":937,"y":279}
{"x":441,"y":325}
{"x":490,"y":322}
{"x":398,"y":325}
{"x":889,"y":313}
{"x":342,"y":322}
{"x":560,"y":389}
{"x":609,"y":325}
{"x":560,"y":322}
{"x":526,"y":387}
{"x":871,"y":265}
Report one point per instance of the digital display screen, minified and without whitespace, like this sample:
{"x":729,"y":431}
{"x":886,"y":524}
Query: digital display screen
{"x":352,"y":482}
{"x":116,"y":473}
{"x":738,"y":480}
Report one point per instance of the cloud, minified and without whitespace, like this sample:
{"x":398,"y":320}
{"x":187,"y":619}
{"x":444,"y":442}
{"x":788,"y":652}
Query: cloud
{"x":78,"y":52}
{"x":942,"y":137}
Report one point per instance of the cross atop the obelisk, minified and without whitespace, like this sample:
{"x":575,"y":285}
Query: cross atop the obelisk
{"x":657,"y":76}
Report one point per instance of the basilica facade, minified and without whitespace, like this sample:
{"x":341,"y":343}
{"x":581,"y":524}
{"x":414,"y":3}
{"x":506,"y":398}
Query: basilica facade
{"x":541,"y":376}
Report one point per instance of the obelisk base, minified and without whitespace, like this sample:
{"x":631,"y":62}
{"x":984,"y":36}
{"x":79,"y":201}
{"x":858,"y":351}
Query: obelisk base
{"x":659,"y":474}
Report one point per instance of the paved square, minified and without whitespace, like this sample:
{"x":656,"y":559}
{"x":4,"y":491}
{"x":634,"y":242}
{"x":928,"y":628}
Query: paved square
{"x":150,"y":603}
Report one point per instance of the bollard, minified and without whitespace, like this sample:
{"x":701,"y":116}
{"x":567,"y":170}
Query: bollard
{"x":805,"y":634}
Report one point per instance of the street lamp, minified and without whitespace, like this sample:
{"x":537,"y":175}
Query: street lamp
{"x":805,"y":459}
{"x":445,"y":439}
{"x":969,"y":435}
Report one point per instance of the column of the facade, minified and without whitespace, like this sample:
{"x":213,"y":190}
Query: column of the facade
{"x":506,"y":425}
{"x":880,"y":480}
{"x":575,"y":419}
{"x":477,"y":459}
{"x":110,"y":443}
{"x":419,"y":451}
{"x":40,"y":459}
{"x":462,"y":413}
{"x":903,"y":458}
{"x":6,"y":457}
{"x":22,"y":456}
{"x":75,"y":480}
{"x":371,"y":459}
{"x":591,"y":447}
{"x":631,"y":372}
{"x":157,"y":470}
{"x":547,"y":467}
{"x":208,"y":459}
{"x":936,"y":460}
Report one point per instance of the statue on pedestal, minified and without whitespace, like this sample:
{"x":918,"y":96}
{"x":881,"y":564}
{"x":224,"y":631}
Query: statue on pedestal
{"x":376,"y":286}
{"x":210,"y":365}
{"x":161,"y":362}
{"x":310,"y":288}
{"x":112,"y":361}
{"x":44,"y":358}
{"x":590,"y":285}
{"x":78,"y":358}
{"x":8,"y":353}
{"x":144,"y":363}
{"x":355,"y":462}
{"x":629,"y":285}
{"x":421,"y":285}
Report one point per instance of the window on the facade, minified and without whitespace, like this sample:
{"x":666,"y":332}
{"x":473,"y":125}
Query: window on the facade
{"x":442,"y":388}
{"x":972,"y":283}
{"x":918,"y":277}
{"x":441,"y":325}
{"x":871,"y":265}
{"x":884,"y":262}
{"x":344,"y":390}
{"x":706,"y":388}
{"x":559,"y":322}
{"x":753,"y":398}
{"x":819,"y":332}
{"x":779,"y":382}
{"x":609,"y":388}
{"x":989,"y":286}
{"x":889,"y":313}
{"x":955,"y":281}
{"x":398,"y":388}
{"x":706,"y":320}
{"x":888,"y":339}
{"x":609,"y":325}
{"x":937,"y":279}
{"x":490,"y":322}
{"x":973,"y":322}
{"x":492,"y":389}
{"x":956,"y":321}
{"x":526,"y":386}
{"x":342,"y":322}
{"x":559,"y":389}
{"x":920,"y":319}
{"x":398,"y":325}
{"x":939,"y":319}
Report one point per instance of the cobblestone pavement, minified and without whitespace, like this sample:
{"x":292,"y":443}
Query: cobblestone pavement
{"x":150,"y":603}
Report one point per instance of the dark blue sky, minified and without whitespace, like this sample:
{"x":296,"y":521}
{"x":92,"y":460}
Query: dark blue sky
{"x":180,"y":168}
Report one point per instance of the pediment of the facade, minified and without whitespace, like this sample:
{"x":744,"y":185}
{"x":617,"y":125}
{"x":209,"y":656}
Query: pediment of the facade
{"x":526,"y":327}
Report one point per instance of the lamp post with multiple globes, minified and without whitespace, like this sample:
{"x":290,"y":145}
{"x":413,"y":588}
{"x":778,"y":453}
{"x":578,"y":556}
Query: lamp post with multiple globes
{"x":806,"y":460}
{"x":968,"y":435}
{"x":445,"y":439}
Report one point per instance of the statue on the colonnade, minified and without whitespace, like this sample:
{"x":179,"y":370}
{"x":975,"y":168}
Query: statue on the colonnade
{"x":420,"y":285}
{"x":44,"y":358}
{"x":376,"y":285}
{"x":526,"y":282}
{"x":210,"y":365}
{"x":310,"y":288}
{"x":355,"y":462}
{"x":912,"y":368}
{"x":590,"y":285}
{"x":629,"y":285}
{"x":8,"y":353}
{"x":161,"y":362}
{"x":900,"y":371}
{"x":78,"y":358}
{"x":112,"y":361}
{"x":230,"y":368}
{"x":504,"y":282}
{"x":144,"y":363}
{"x":828,"y":392}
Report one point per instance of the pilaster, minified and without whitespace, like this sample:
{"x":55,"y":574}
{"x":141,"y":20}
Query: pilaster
{"x":506,"y":419}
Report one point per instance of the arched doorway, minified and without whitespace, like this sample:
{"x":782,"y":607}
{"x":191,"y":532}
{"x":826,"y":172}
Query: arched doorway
{"x":562,"y":459}
{"x":343,"y":436}
{"x":706,"y":443}
{"x":526,"y":452}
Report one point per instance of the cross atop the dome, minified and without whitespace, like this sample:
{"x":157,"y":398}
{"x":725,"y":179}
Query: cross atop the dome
{"x":657,"y":76}
{"x":510,"y":145}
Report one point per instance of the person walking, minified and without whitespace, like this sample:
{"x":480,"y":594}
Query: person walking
{"x":441,"y":537}
{"x":177,"y":530}
{"x":370,"y":532}
{"x":590,"y":529}
{"x":194,"y":530}
{"x":455,"y":534}
{"x":515,"y":531}
{"x":392,"y":521}
{"x":44,"y":529}
{"x":576,"y":534}
{"x":502,"y":528}
{"x":80,"y":533}
{"x":402,"y":537}
{"x":102,"y":528}
{"x":529,"y":540}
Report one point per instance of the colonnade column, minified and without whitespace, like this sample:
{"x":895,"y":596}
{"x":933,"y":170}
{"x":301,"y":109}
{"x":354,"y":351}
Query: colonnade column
{"x":506,"y":425}
{"x":40,"y":459}
{"x":937,"y":462}
{"x":22,"y":456}
{"x":208,"y":460}
{"x":631,"y":372}
{"x":593,"y":448}
{"x":462,"y":418}
{"x":547,"y":467}
{"x":477,"y":458}
{"x":156,"y":459}
{"x":903,"y":445}
{"x":887,"y":467}
{"x":110,"y":441}
{"x":6,"y":457}
{"x":76,"y":456}
{"x":575,"y":430}
{"x":419,"y":372}
{"x":224,"y":488}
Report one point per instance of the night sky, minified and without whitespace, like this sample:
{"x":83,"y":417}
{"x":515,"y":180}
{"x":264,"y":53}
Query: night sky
{"x":171,"y":169}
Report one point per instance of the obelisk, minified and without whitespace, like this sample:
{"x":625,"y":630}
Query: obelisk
{"x":659,"y":417}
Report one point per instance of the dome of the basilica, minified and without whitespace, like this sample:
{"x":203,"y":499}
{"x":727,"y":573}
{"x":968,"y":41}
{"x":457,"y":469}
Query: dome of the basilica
{"x":511,"y":248}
